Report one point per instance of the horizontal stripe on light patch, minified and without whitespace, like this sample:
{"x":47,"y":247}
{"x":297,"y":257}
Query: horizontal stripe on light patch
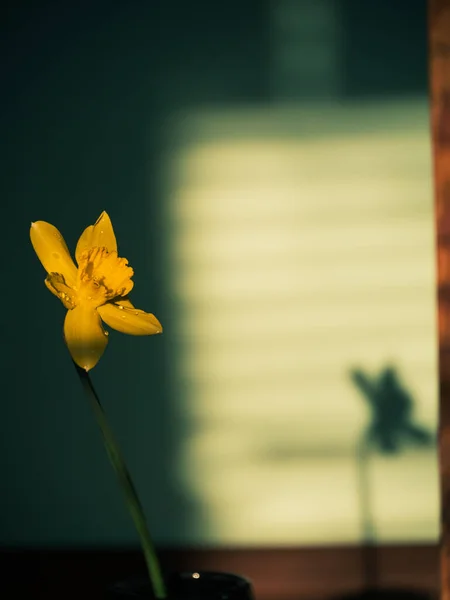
{"x":303,"y":246}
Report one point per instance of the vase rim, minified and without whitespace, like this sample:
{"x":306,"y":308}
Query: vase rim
{"x":190,"y":585}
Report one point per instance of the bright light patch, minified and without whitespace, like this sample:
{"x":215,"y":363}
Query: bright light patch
{"x":302,"y":247}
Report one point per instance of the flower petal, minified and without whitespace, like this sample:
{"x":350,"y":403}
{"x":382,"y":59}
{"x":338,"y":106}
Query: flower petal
{"x":56,"y":283}
{"x":128,"y":319}
{"x":124,"y":302}
{"x":52,"y":251}
{"x":85,"y":336}
{"x":100,"y":235}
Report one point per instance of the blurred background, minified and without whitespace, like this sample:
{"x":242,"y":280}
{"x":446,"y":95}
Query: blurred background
{"x":267,"y":168}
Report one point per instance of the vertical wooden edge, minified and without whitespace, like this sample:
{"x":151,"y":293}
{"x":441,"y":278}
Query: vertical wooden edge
{"x":439,"y":94}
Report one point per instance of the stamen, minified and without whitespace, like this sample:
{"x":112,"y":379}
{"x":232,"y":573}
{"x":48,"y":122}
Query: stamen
{"x":104,"y":274}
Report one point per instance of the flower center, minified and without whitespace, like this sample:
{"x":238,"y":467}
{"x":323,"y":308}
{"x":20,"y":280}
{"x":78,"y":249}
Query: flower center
{"x":102,"y":276}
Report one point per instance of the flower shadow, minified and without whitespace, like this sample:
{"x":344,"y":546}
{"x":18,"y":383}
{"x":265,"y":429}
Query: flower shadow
{"x":391,"y":430}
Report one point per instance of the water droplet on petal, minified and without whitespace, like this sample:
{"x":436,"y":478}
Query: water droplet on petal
{"x":106,"y":333}
{"x":121,"y":307}
{"x":123,"y":316}
{"x":136,"y":312}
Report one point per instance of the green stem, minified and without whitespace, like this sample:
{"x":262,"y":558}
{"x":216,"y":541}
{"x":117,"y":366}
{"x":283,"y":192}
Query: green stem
{"x":131,"y":497}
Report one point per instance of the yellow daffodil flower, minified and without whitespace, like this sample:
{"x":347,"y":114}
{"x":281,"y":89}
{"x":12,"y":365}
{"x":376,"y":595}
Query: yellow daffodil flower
{"x":97,"y":290}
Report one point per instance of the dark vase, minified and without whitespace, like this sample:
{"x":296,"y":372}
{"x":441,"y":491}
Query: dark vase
{"x":201,"y":585}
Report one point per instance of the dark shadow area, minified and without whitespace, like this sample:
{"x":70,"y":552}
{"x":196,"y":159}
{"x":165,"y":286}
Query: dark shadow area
{"x":278,"y":573}
{"x":87,"y":91}
{"x":384,"y":48}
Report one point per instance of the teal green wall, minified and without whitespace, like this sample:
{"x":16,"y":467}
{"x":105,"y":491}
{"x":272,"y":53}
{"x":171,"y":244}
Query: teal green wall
{"x":86,"y":95}
{"x":81,"y":129}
